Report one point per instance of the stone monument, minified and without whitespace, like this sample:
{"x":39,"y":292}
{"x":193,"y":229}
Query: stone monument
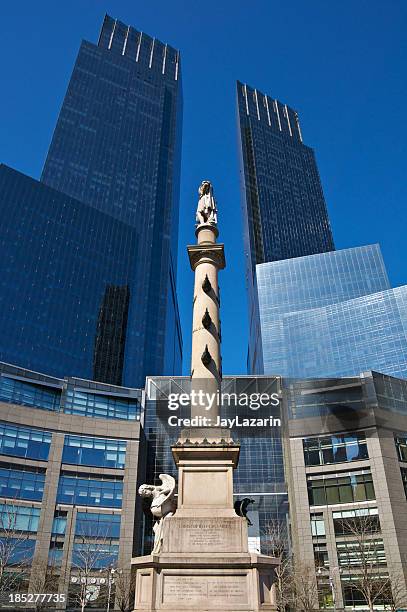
{"x":200,"y":561}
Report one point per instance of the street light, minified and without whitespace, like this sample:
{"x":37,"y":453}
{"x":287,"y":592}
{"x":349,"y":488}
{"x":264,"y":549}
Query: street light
{"x":331,"y":582}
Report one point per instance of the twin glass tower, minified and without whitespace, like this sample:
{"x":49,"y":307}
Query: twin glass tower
{"x":89,"y":252}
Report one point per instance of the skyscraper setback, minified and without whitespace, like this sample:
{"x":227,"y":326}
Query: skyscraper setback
{"x":116,"y":149}
{"x":313,"y":311}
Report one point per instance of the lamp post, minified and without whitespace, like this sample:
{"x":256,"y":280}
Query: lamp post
{"x":331,"y":582}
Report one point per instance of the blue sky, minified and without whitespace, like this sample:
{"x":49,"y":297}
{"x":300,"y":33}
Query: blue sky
{"x":340,"y":64}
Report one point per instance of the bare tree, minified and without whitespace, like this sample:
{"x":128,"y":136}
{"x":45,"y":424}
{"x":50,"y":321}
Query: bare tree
{"x":396,"y":592}
{"x":124,"y":589}
{"x":364,"y":575}
{"x":305,"y":591}
{"x":15,"y":558}
{"x":278,"y":545}
{"x":44,"y":581}
{"x":91,"y":554}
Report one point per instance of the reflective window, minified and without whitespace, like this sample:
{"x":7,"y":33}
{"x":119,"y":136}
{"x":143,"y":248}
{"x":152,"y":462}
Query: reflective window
{"x":335,"y":449}
{"x":24,"y":442}
{"x":19,"y":518}
{"x":21,"y":550}
{"x":99,"y":554}
{"x":59,"y":522}
{"x":401,"y":445}
{"x":354,"y":598}
{"x":95,"y":525}
{"x":104,"y":492}
{"x":55,"y":554}
{"x":79,"y":450}
{"x":331,"y":314}
{"x":345,"y":521}
{"x":29,"y":394}
{"x":25,"y":483}
{"x":340,"y":488}
{"x":101,"y":406}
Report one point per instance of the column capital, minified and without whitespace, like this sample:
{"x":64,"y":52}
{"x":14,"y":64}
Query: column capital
{"x":207,"y":253}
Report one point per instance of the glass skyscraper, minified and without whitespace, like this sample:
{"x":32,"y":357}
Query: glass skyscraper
{"x":332,"y":314}
{"x":283,"y":205}
{"x":313,"y":311}
{"x":90,"y":283}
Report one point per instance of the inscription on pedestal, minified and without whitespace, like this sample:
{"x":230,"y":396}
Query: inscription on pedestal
{"x":204,"y":589}
{"x":199,"y":535}
{"x":205,"y":535}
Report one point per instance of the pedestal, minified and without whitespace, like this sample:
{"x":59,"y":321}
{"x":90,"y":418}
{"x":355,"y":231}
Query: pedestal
{"x":204,"y":564}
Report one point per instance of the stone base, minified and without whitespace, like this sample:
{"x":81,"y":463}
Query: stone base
{"x":204,"y":564}
{"x":218,"y":583}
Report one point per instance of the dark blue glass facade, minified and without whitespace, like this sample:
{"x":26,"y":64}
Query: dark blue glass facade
{"x":89,"y":254}
{"x":68,"y":395}
{"x":283,"y":205}
{"x":16,"y":441}
{"x":116,"y":147}
{"x":81,"y":450}
{"x":98,"y":525}
{"x":86,"y":491}
{"x":25,"y":483}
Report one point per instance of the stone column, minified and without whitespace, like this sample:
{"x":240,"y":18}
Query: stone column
{"x":206,"y":259}
{"x":201,"y":561}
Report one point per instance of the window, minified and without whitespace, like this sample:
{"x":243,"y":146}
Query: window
{"x":401,"y":445}
{"x":94,"y":451}
{"x":21,"y":550}
{"x":19,"y":518}
{"x":104,"y":492}
{"x":98,"y":555}
{"x":321,"y":556}
{"x":55,"y":554}
{"x":342,"y":517}
{"x":19,"y":441}
{"x":335,"y":449}
{"x":25,"y":483}
{"x":324,"y":593}
{"x":95,"y":525}
{"x":368,"y":553}
{"x":101,"y":406}
{"x":331,"y":489}
{"x":59,"y":522}
{"x":29,"y":394}
{"x":404,"y":478}
{"x":317,"y":525}
{"x":354,"y":598}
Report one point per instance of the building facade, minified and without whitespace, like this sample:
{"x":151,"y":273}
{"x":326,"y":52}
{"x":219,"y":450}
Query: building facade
{"x":331,"y":314}
{"x":260,"y":472}
{"x":72,"y":454}
{"x":283,"y":206}
{"x":346,"y":467}
{"x":116,"y":151}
